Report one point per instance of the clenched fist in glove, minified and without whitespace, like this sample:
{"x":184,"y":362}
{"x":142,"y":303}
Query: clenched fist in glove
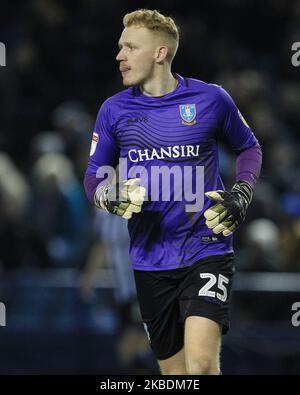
{"x":122,"y":200}
{"x":230,"y":209}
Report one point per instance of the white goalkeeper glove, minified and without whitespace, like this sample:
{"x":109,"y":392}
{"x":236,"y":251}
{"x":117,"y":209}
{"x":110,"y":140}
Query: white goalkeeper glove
{"x":230,"y":211}
{"x":121,"y":199}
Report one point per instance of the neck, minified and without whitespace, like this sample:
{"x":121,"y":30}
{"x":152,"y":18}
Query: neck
{"x":159,"y":85}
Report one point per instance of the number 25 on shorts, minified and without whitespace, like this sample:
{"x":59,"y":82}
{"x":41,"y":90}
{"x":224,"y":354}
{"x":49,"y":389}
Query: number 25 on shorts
{"x":206,"y":289}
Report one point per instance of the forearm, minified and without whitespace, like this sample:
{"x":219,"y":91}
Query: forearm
{"x":230,"y":208}
{"x":90,"y":183}
{"x":248,"y":165}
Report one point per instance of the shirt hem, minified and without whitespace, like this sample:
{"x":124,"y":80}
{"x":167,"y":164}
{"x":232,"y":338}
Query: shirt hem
{"x":172,"y":267}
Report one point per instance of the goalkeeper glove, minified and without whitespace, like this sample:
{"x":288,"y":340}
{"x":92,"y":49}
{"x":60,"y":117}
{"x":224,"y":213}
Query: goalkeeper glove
{"x":230,"y":211}
{"x":122,"y":201}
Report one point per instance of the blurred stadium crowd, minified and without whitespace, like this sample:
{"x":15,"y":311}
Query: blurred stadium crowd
{"x":60,"y":68}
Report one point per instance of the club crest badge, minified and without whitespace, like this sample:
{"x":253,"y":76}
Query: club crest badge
{"x":188,"y":113}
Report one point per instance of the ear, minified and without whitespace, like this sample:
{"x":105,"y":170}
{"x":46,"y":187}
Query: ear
{"x":161,"y":54}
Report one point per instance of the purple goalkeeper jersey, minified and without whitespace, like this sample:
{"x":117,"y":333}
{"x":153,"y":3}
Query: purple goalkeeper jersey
{"x":179,"y":131}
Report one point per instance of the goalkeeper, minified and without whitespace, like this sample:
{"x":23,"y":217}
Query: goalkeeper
{"x":183,"y":262}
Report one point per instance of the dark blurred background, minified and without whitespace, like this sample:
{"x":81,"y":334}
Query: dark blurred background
{"x":64,"y":274}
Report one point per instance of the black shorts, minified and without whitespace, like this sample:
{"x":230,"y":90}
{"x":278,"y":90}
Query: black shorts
{"x":168,"y":297}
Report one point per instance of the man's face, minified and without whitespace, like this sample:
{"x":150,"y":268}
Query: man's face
{"x":137,"y":55}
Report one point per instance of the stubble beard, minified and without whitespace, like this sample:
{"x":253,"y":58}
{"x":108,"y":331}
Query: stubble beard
{"x":132,"y":82}
{"x":138,"y":81}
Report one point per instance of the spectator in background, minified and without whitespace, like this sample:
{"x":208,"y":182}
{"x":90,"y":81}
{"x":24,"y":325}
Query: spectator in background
{"x":71,"y":120}
{"x":21,"y":245}
{"x":59,"y":210}
{"x":111,"y":248}
{"x":262,"y":247}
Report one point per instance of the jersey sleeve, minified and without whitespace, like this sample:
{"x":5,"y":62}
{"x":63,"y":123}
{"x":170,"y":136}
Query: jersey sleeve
{"x":233,"y":128}
{"x":104,"y":148}
{"x":104,"y":151}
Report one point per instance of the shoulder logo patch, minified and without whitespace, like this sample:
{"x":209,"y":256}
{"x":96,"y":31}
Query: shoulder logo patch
{"x":243,"y":119}
{"x":95,"y":140}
